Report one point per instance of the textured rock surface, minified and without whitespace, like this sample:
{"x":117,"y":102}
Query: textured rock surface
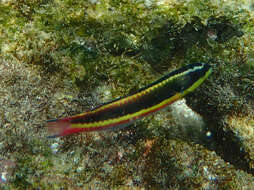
{"x":59,"y":58}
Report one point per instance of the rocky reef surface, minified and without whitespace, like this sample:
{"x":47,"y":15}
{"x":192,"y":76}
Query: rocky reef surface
{"x":60,"y":58}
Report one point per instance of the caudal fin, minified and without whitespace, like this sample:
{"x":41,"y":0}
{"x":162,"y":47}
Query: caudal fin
{"x":61,"y":127}
{"x":57,"y":128}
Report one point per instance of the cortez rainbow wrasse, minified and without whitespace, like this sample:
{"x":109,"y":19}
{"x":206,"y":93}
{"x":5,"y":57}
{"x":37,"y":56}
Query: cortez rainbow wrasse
{"x":123,"y":111}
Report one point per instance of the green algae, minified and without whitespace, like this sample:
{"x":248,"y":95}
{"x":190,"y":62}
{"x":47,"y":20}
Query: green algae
{"x":55,"y":53}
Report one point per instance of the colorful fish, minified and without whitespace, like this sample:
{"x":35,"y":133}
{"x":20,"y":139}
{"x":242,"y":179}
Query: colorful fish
{"x":124,"y":111}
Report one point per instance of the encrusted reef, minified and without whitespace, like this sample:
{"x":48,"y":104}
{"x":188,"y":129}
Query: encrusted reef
{"x":60,"y":58}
